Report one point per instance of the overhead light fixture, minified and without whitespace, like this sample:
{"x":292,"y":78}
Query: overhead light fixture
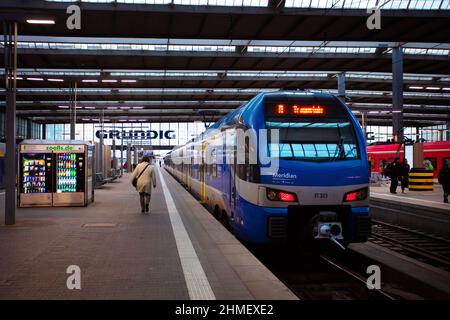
{"x":138,"y":107}
{"x":91,"y":108}
{"x":112,"y":108}
{"x":415,"y":87}
{"x":56,"y":80}
{"x":35,"y":79}
{"x":128,"y":80}
{"x":86,"y":119}
{"x":432,"y":88}
{"x":446,"y":89}
{"x":122,"y":120}
{"x":40,"y":21}
{"x":89,"y":80}
{"x":124,"y":108}
{"x":63,"y":107}
{"x":109,"y":80}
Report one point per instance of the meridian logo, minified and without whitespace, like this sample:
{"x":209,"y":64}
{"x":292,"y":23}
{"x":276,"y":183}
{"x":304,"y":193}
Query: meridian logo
{"x":284,"y":175}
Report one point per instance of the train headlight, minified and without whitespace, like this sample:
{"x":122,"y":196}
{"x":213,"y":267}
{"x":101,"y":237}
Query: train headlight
{"x":277,"y":195}
{"x":357,"y":195}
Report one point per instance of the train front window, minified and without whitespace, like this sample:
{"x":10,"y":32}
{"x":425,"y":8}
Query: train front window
{"x":314,"y":141}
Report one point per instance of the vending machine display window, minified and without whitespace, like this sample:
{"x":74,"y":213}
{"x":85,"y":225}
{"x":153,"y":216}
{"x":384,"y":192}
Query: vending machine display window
{"x":66,"y":172}
{"x":34,"y":168}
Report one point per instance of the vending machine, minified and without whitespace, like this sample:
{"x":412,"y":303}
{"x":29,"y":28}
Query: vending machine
{"x":35,"y":184}
{"x":55,"y":173}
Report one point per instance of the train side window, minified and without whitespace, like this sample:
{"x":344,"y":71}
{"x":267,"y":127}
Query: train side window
{"x":445,"y":159}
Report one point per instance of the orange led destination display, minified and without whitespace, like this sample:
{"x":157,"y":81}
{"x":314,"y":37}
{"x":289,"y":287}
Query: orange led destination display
{"x":300,"y":110}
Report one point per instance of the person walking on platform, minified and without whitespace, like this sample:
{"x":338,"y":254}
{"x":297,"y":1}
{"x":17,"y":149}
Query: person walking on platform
{"x":143,"y":179}
{"x":444,"y":179}
{"x":393,"y":171}
{"x":404,"y":173}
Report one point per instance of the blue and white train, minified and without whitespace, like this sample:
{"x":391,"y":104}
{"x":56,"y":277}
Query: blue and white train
{"x":320,"y":189}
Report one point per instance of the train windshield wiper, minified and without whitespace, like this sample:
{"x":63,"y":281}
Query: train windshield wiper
{"x":340,"y":146}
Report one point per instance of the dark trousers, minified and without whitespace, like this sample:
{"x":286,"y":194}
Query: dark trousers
{"x":145,"y":199}
{"x":394,"y":184}
{"x":405,"y":182}
{"x":446,"y":193}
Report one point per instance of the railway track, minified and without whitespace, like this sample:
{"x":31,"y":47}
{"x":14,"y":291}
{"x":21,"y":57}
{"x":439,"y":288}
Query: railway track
{"x":319,"y":277}
{"x":423,"y":247}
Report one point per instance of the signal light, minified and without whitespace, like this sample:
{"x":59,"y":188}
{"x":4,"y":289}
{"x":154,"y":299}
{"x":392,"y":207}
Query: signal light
{"x":284,"y":196}
{"x":351,"y":196}
{"x":276,"y":195}
{"x":357,"y":195}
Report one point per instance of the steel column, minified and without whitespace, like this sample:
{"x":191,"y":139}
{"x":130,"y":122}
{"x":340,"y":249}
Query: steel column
{"x":121,"y":152}
{"x":341,"y":86}
{"x":397,"y":94}
{"x":73,"y":110}
{"x":101,"y":161}
{"x":10,"y":55}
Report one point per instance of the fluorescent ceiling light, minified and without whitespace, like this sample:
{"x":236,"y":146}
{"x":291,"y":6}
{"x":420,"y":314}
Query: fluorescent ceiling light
{"x":56,"y":80}
{"x":89,"y":108}
{"x":40,"y":21}
{"x":122,"y":120}
{"x":124,"y":108}
{"x":89,"y":80}
{"x":415,"y":87}
{"x":35,"y":79}
{"x":432,"y":88}
{"x":112,"y":108}
{"x":138,"y":107}
{"x":109,"y":80}
{"x":86,"y":119}
{"x":63,"y":107}
{"x":446,"y":89}
{"x":127,"y":80}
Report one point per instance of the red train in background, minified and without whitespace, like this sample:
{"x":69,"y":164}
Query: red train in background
{"x":436,"y":152}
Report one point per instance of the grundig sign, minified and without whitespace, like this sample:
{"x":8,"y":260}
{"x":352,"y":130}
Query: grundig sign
{"x":135,"y":134}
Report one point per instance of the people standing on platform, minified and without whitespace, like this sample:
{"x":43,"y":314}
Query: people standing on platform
{"x":143,"y":179}
{"x":393,"y":171}
{"x":428,"y":165}
{"x":404,"y":175}
{"x":444,"y":179}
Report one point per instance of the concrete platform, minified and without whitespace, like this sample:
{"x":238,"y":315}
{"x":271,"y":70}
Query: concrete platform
{"x":178,"y":251}
{"x":433,"y":199}
{"x":393,"y":264}
{"x":422,"y":210}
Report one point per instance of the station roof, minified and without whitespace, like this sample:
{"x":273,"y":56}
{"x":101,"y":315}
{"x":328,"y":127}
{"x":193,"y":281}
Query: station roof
{"x":184,"y":60}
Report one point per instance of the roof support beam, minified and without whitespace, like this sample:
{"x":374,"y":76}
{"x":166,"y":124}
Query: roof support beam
{"x":397,"y":94}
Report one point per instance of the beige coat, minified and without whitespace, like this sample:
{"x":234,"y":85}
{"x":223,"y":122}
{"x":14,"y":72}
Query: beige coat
{"x":146,"y":180}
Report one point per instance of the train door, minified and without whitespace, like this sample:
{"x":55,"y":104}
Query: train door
{"x":233,"y":167}
{"x":202,"y":175}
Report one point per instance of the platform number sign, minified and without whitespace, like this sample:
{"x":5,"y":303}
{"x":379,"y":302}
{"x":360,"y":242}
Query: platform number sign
{"x":374,"y":279}
{"x":74,"y":280}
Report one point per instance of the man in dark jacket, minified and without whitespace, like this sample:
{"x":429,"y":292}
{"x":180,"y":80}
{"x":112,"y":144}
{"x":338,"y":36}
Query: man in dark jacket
{"x":394,"y":172}
{"x":444,"y":180}
{"x":404,"y":174}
